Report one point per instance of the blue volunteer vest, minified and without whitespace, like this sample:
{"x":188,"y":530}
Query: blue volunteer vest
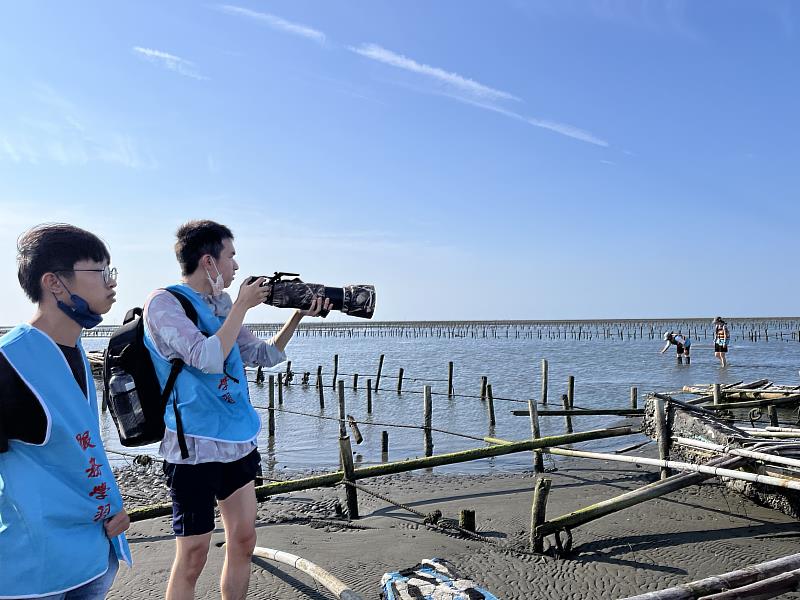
{"x":54,"y":497}
{"x":213,"y":406}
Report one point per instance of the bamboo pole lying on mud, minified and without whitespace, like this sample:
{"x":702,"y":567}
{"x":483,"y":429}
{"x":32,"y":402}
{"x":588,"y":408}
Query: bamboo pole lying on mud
{"x":338,"y":588}
{"x":628,"y":499}
{"x":766,"y":588}
{"x":411,"y":464}
{"x":730,"y":580}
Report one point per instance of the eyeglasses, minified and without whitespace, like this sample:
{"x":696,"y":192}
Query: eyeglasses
{"x":109,"y":274}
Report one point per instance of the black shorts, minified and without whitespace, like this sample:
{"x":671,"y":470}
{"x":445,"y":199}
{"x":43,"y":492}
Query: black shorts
{"x":720,"y":347}
{"x":195,"y":490}
{"x":679,"y":349}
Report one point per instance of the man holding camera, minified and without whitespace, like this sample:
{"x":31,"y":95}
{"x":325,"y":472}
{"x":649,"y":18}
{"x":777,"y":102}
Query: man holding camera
{"x":215,"y":459}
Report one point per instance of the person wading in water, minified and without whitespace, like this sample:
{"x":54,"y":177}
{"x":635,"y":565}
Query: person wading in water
{"x":682,"y":344}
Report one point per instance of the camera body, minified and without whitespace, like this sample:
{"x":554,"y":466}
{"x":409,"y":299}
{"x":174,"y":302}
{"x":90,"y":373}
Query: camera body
{"x":353,"y":300}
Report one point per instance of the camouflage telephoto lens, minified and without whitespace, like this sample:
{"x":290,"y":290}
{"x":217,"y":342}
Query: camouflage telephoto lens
{"x":353,"y":300}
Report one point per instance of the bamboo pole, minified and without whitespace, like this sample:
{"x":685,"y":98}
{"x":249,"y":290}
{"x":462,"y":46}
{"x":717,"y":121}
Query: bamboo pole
{"x":769,"y":480}
{"x":763,"y":456}
{"x":766,"y":588}
{"x":351,"y":495}
{"x":280,"y":388}
{"x":541,"y":491}
{"x":484,"y":383}
{"x":717,"y":394}
{"x":335,"y":586}
{"x":634,"y":397}
{"x":628,"y":499}
{"x":384,"y":442}
{"x":730,"y":580}
{"x":329,"y":479}
{"x":271,"y":411}
{"x":400,"y":381}
{"x":319,"y":376}
{"x":369,"y":396}
{"x":578,"y":412}
{"x":355,"y":381}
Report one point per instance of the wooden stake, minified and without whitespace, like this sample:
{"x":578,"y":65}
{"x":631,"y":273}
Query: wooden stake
{"x":567,"y":417}
{"x":342,"y":430}
{"x":541,"y":491}
{"x":288,"y":372}
{"x":378,"y":377}
{"x":773,"y":415}
{"x":484,"y":383}
{"x":319,"y":376}
{"x":271,"y":411}
{"x":369,"y":396}
{"x":385,"y":442}
{"x":428,"y":416}
{"x":280,"y":388}
{"x":544,"y":382}
{"x":571,"y":391}
{"x":533,"y":411}
{"x":354,"y":429}
{"x":663,"y":435}
{"x":490,"y":397}
{"x":400,"y":381}
{"x":260,"y":374}
{"x":634,"y":397}
{"x":346,"y":455}
{"x":355,"y":381}
{"x":450,"y":379}
{"x":335,"y":370}
{"x":466,"y":519}
{"x":717,"y":393}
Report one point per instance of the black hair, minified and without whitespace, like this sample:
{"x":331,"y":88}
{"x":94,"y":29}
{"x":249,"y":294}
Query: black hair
{"x":197,"y":238}
{"x":54,"y":247}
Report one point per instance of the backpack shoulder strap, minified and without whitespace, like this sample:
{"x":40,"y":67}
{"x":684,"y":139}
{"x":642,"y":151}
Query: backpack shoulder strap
{"x":187,"y":305}
{"x":177,"y":367}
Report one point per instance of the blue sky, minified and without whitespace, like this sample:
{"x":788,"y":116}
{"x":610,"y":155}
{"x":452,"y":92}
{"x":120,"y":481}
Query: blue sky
{"x":473,"y":160}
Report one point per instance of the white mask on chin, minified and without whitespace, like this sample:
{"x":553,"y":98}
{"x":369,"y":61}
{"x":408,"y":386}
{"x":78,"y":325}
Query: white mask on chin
{"x":218,"y":284}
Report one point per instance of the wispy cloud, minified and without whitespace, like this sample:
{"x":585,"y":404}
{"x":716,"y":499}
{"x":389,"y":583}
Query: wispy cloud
{"x":554,"y":126}
{"x":55,"y":130}
{"x":170,"y":61}
{"x":452,"y":80}
{"x":275,"y":22}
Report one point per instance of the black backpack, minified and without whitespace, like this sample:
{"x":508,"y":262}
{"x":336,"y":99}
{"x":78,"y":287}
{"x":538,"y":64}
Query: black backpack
{"x":127,"y":352}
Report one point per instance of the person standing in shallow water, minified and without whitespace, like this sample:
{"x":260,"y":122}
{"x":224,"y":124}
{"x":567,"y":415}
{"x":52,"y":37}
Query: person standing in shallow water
{"x":682,"y":345}
{"x":62,"y":521}
{"x":722,"y":336}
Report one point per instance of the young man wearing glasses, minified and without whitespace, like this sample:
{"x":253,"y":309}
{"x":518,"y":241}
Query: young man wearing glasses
{"x":61,"y":514}
{"x":216,"y":459}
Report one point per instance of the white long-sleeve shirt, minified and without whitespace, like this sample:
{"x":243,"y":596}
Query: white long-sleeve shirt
{"x":175,"y":336}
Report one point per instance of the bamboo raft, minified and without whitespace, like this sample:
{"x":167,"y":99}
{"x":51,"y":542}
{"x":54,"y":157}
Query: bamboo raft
{"x":696,"y":432}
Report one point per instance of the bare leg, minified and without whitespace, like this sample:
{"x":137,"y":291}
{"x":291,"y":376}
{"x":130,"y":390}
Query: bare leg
{"x":239,"y":517}
{"x":190,"y":558}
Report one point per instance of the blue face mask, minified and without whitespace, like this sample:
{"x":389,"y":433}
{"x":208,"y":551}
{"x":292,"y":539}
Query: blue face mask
{"x":79,"y":311}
